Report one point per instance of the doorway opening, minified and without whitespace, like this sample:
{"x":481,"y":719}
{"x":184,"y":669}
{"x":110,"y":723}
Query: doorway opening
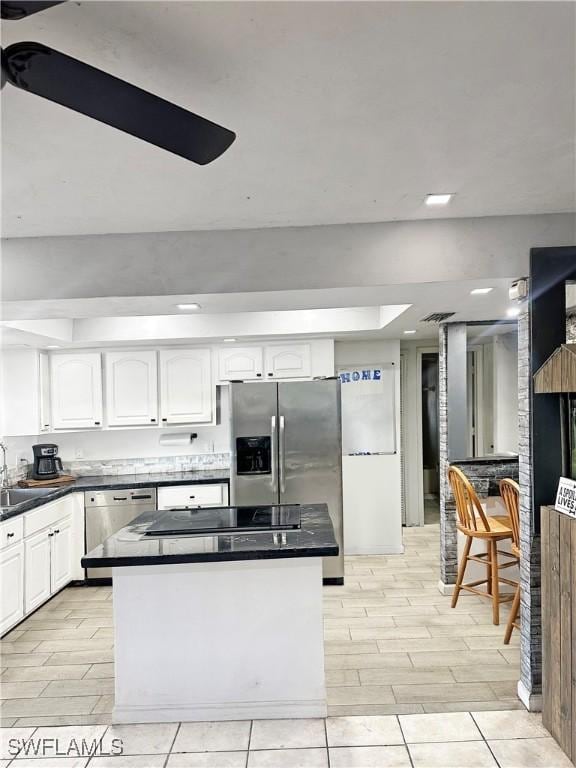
{"x":430,"y":443}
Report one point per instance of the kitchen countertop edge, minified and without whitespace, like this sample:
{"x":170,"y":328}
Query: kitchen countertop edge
{"x":118,"y":482}
{"x":130,"y":547}
{"x":208,"y":557}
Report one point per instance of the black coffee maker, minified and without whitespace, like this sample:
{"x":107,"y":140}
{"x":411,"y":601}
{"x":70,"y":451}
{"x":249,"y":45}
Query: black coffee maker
{"x":47,"y":464}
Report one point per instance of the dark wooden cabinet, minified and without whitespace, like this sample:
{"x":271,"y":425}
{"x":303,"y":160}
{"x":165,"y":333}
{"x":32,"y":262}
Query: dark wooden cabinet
{"x":559,"y":627}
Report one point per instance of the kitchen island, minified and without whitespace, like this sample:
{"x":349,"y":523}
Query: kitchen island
{"x":225,"y":624}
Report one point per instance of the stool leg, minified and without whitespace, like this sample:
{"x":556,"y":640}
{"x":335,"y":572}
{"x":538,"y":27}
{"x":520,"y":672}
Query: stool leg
{"x":489,"y":568}
{"x":513,"y":615}
{"x":461,"y":570}
{"x":495,"y":582}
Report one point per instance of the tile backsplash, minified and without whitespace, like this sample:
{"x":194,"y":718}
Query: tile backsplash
{"x":138,"y":466}
{"x":20,"y":472}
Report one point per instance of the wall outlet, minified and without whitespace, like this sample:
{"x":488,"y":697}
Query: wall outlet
{"x":78,"y":453}
{"x":22,"y":458}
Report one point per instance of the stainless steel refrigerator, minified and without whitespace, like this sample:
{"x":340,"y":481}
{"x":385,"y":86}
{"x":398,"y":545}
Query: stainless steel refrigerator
{"x":287,"y":448}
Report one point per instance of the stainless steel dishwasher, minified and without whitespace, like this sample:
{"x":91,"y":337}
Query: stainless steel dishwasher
{"x":108,"y":511}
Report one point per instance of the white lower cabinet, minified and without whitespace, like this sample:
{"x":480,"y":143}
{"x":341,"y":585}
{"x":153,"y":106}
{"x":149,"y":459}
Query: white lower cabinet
{"x":37,"y":573}
{"x":48,"y":562}
{"x":180,"y":496}
{"x":40,"y":553}
{"x":11,"y":586}
{"x":61,"y":555}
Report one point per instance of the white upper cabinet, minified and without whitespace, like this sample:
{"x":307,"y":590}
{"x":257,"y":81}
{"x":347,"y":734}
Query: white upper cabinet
{"x":288,"y":361}
{"x":131,"y":388}
{"x":21,"y":406}
{"x":44,"y":383}
{"x":239,"y":363}
{"x":187,"y":394}
{"x":76,"y":390}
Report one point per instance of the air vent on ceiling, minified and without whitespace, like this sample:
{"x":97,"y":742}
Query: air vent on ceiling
{"x":437,"y":317}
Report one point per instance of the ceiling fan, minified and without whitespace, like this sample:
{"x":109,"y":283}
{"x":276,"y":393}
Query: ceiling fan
{"x":74,"y":84}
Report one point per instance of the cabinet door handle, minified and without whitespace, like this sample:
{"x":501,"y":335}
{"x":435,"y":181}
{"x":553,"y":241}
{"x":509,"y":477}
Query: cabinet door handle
{"x":191,"y":497}
{"x":152,"y":420}
{"x":270,"y":374}
{"x":97,"y":423}
{"x":258,"y":374}
{"x":164,"y":419}
{"x":50,"y":535}
{"x":9,"y":535}
{"x":57,"y":530}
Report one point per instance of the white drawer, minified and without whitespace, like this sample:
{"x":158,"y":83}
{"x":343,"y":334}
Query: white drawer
{"x":11,"y":531}
{"x":46,"y":515}
{"x":213,"y":495}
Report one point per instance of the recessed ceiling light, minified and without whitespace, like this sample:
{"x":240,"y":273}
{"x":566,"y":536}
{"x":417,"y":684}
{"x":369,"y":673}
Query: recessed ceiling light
{"x":513,"y":311}
{"x":193,"y":305}
{"x":229,"y":341}
{"x":480,"y":291}
{"x":440,"y":198}
{"x":409,"y":331}
{"x":52,"y":346}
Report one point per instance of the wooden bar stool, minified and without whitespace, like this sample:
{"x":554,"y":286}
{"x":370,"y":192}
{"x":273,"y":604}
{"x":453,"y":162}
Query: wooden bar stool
{"x":510,"y":492}
{"x":474,"y":524}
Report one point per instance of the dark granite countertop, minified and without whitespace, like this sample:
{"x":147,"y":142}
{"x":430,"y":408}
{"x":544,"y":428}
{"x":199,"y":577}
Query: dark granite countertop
{"x":116,"y":482}
{"x":130,"y":547}
{"x":490,"y":459}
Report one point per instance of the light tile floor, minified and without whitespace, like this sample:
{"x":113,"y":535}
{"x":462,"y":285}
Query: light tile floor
{"x":451,"y":740}
{"x":394,"y":647}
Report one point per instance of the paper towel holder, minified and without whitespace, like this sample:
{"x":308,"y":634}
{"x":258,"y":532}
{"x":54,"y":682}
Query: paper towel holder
{"x":182,"y":438}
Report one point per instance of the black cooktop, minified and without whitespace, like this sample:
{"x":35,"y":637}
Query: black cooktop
{"x":178,"y":522}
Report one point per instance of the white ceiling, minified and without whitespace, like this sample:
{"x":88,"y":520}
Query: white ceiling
{"x":345,"y":112}
{"x":377,"y":312}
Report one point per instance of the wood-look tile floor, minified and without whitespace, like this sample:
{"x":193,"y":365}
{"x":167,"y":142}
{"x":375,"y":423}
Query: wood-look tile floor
{"x":393,"y":646}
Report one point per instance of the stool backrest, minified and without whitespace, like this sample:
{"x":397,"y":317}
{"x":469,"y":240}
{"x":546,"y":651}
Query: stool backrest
{"x":510,"y":492}
{"x":467,"y":501}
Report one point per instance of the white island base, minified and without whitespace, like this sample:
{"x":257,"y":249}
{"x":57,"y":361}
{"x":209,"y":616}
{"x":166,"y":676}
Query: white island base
{"x":219,"y":641}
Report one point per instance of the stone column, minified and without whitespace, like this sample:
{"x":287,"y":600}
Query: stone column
{"x":448,"y":540}
{"x":530,"y":685}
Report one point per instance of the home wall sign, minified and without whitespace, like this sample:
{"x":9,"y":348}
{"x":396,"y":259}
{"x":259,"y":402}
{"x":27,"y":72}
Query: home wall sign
{"x":368,"y":409}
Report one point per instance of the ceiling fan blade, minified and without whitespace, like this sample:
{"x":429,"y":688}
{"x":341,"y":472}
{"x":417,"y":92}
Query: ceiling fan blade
{"x":19,"y":9}
{"x":85,"y":89}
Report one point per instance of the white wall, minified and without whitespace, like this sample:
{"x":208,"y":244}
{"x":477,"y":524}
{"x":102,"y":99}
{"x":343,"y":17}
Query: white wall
{"x":372,"y":484}
{"x":165,"y":263}
{"x":506,"y":393}
{"x":497,"y":395}
{"x":19,"y":454}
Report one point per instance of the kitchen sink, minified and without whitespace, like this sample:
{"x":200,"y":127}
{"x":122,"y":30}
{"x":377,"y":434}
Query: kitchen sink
{"x":11,"y":496}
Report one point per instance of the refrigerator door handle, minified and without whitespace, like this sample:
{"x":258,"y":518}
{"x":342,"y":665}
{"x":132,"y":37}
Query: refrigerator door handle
{"x":273,"y":462}
{"x":281,"y":456}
